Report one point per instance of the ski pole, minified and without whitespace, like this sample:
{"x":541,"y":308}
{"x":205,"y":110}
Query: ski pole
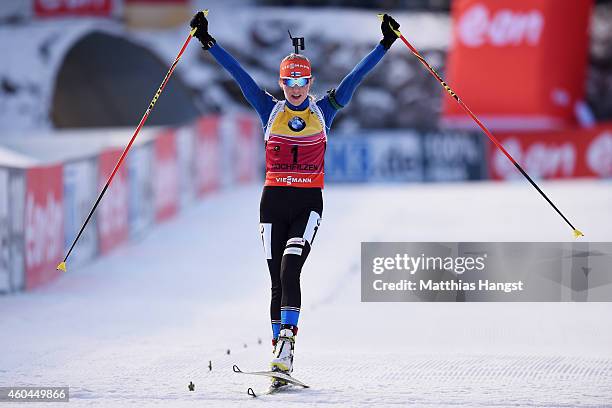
{"x":416,"y":53}
{"x":62,"y":265}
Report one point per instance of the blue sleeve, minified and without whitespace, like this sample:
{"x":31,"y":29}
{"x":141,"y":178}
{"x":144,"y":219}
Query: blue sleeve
{"x":329,"y":112}
{"x":259,"y":99}
{"x":349,"y":84}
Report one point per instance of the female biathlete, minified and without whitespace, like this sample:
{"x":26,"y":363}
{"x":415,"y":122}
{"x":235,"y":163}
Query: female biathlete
{"x":295,"y":136}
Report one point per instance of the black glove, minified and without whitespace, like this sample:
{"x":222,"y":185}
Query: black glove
{"x":200,"y":22}
{"x":389,"y":35}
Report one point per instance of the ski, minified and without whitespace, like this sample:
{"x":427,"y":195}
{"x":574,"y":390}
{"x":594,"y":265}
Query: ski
{"x":273,"y":374}
{"x":269,"y":391}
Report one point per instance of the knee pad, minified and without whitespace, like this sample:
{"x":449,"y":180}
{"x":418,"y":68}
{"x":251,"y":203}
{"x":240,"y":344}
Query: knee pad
{"x":296,"y":246}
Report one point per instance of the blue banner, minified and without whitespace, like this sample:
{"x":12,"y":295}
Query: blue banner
{"x":405,"y":156}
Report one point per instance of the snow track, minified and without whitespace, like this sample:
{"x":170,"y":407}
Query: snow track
{"x":134,"y":328}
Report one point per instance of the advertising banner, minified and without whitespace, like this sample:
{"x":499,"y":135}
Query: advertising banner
{"x":208,"y":155}
{"x":17,"y":194}
{"x":406,"y":156}
{"x":502,"y":57}
{"x":378,"y":157}
{"x":165,"y":176}
{"x":549,"y":155}
{"x":12,"y":212}
{"x":247,"y":149}
{"x":140,"y":191}
{"x":5,"y":247}
{"x":185,"y":149}
{"x":80,"y":183}
{"x":395,"y":158}
{"x":112,"y":214}
{"x":454,"y":156}
{"x":346,"y":159}
{"x":44,"y":224}
{"x":72,"y":8}
{"x":226,"y":136}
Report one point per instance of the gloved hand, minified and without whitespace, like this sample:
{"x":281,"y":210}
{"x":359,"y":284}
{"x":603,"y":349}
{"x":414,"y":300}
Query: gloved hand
{"x":200,"y":22}
{"x":389,"y":35}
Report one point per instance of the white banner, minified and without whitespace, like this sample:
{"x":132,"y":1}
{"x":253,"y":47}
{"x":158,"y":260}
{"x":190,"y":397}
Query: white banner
{"x":140,"y":201}
{"x":185,"y":146}
{"x":79,"y":196}
{"x":5,"y":250}
{"x":16,"y":196}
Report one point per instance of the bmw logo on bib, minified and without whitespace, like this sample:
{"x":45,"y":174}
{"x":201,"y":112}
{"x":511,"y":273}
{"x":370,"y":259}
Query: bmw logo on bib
{"x":296,"y":124}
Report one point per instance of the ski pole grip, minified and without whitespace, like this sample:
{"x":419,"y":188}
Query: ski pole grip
{"x":381,"y":17}
{"x":193,"y":31}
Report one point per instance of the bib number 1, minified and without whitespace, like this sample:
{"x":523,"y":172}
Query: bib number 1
{"x":294,"y":150}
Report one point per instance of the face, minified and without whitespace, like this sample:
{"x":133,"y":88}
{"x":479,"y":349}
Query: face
{"x":297,"y":94}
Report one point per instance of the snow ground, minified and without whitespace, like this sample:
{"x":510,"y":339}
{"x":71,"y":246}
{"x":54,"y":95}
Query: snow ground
{"x":133,"y":328}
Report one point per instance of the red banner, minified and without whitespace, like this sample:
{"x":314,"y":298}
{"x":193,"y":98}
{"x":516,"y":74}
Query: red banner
{"x":155,"y":2}
{"x":518,"y":64}
{"x":208,"y":155}
{"x":44,"y":224}
{"x":549,"y":155}
{"x":245,"y":157}
{"x":112,"y":217}
{"x":165,"y":180}
{"x":64,"y":8}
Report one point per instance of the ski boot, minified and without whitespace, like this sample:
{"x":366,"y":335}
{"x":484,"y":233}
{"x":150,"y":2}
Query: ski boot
{"x":282,"y":359}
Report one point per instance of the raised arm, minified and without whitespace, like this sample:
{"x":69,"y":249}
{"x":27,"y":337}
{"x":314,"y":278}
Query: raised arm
{"x":347,"y":87}
{"x":341,"y":96}
{"x":259,"y":99}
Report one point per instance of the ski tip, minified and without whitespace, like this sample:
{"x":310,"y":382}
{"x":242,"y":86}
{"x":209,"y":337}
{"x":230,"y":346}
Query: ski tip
{"x":578,"y":233}
{"x":61,"y":267}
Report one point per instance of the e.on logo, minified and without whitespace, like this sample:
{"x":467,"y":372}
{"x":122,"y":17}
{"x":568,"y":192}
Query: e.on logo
{"x":42,"y":230}
{"x":539,"y":159}
{"x":477,"y":26}
{"x":599,"y":155}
